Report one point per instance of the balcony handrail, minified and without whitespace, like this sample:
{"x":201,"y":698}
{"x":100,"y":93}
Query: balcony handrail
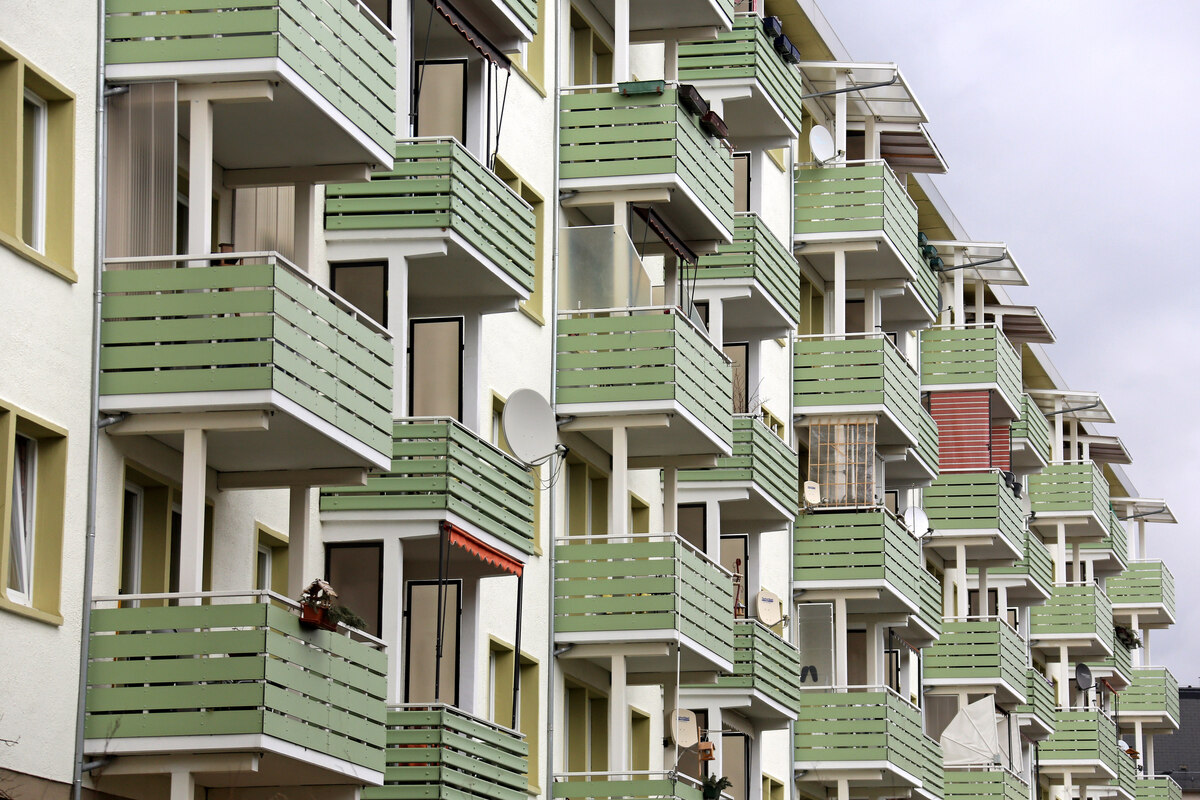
{"x":841,"y":337}
{"x":983,"y":618}
{"x":629,"y":311}
{"x":860,"y":689}
{"x":856,"y":162}
{"x":467,"y":430}
{"x":276,"y":259}
{"x":463,"y":147}
{"x":258,"y":595}
{"x":373,"y":19}
{"x":993,"y":767}
{"x":448,"y":707}
{"x":778,"y":639}
{"x":670,"y":775}
{"x":583,"y":538}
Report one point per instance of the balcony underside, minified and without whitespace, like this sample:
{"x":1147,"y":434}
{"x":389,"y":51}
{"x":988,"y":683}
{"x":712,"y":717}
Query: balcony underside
{"x":750,"y":113}
{"x":750,"y":312}
{"x":1080,"y":526}
{"x":753,"y":704}
{"x":649,"y":654}
{"x":980,"y":544}
{"x":659,"y":429}
{"x":683,"y":210}
{"x":870,"y":256}
{"x":1027,"y":457}
{"x":668,"y":15}
{"x":1149,"y":615}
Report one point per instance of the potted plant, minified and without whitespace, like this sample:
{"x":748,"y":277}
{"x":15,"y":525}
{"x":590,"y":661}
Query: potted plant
{"x":315,"y":605}
{"x":713,"y":786}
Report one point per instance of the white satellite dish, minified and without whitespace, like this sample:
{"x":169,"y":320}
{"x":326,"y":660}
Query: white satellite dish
{"x":916,"y":520}
{"x":820,"y":142}
{"x":812,"y":493}
{"x":971,"y":736}
{"x":529,"y":427}
{"x":768,"y":608}
{"x":681,"y":728}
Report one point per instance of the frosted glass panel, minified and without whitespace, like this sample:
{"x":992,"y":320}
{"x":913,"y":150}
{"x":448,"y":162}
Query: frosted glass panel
{"x":141,"y":174}
{"x":600,"y":269}
{"x":814,"y":629}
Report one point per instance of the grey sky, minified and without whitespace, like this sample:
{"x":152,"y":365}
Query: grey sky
{"x":1068,"y":128}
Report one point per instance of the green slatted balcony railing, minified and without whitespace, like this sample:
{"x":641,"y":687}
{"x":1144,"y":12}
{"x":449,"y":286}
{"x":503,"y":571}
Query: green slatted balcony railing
{"x":991,"y":783}
{"x":439,"y":185}
{"x":260,"y":325}
{"x":745,"y":54}
{"x":928,"y":441}
{"x":1157,"y":787}
{"x":646,"y":139}
{"x":762,"y":662}
{"x":973,"y":503}
{"x":1037,"y":565}
{"x":761,"y":459}
{"x":978,"y":652}
{"x":932,"y":771}
{"x":971,"y":358}
{"x":1040,"y":702}
{"x":858,"y":549}
{"x":755,"y":254}
{"x":643,"y":357}
{"x":625,"y":786}
{"x":1143,"y":585}
{"x":846,"y":375}
{"x":856,"y":725}
{"x":931,"y":611}
{"x":233,"y":668}
{"x":1074,"y":611}
{"x":348,"y":58}
{"x":1115,"y":545}
{"x":440,"y":751}
{"x":1154,"y":691}
{"x":1031,"y":429}
{"x":1127,"y":774}
{"x":1071,"y":490}
{"x":857,"y":201}
{"x":614,"y":586}
{"x":1079,"y":736}
{"x":441,"y":467}
{"x":1119,"y":665}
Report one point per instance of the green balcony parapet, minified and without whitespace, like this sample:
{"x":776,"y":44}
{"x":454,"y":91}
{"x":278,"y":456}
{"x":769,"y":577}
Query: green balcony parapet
{"x":929,"y":591}
{"x":971,"y":502}
{"x":1074,"y":611}
{"x":745,"y":53}
{"x":762,"y":662}
{"x":1154,"y":691}
{"x":440,"y":466}
{"x":1145,"y":584}
{"x":439,"y":751}
{"x":858,"y":201}
{"x":1082,"y":737}
{"x":1037,"y":565}
{"x":616,"y":586}
{"x":348,"y":58}
{"x":760,"y":458}
{"x":1115,"y":545}
{"x":989,"y":783}
{"x":971,"y":358}
{"x":625,"y":786}
{"x":437,"y":184}
{"x":849,"y":375}
{"x":644,"y":356}
{"x":928,"y":441}
{"x":1158,"y":787}
{"x":1071,"y":489}
{"x":755,"y":254}
{"x":253,"y":326}
{"x":233,"y":668}
{"x":1119,"y":665}
{"x":644,"y":138}
{"x":1127,"y":774}
{"x":1032,"y":429}
{"x":1040,"y":702}
{"x":978,"y":651}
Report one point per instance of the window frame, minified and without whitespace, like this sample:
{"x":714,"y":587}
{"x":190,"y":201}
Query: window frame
{"x":22,"y":547}
{"x":37,"y":224}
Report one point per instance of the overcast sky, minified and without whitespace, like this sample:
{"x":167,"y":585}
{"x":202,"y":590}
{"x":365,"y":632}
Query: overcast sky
{"x":1069,"y":130}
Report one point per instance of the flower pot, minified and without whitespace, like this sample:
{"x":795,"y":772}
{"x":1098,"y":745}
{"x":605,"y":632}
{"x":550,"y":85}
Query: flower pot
{"x":316,"y":617}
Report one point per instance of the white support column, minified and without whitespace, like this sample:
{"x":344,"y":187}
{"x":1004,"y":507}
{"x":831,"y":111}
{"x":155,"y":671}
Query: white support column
{"x":183,"y":785}
{"x":870,"y":138}
{"x":840,"y":645}
{"x":715,"y":727}
{"x":1074,"y":436}
{"x":397,"y":308}
{"x":299,"y":563}
{"x":843,"y":789}
{"x":1060,"y":557}
{"x":839,"y":112}
{"x":984,"y":609}
{"x":618,"y":714}
{"x":1147,"y":659}
{"x":392,"y":624}
{"x":1138,"y":744}
{"x":618,"y":484}
{"x":1057,"y":448}
{"x":960,"y":570}
{"x":671,"y":59}
{"x":1141,"y":538}
{"x":712,"y":531}
{"x":305,"y":229}
{"x":670,"y":280}
{"x":980,"y":294}
{"x":959,"y":280}
{"x":874,"y":655}
{"x":1150,"y":768}
{"x":472,"y":377}
{"x":191,"y":529}
{"x":671,"y":499}
{"x":620,"y":41}
{"x":200,"y":177}
{"x":1064,"y":687}
{"x":716,"y":321}
{"x":1139,"y":655}
{"x":871,"y":309}
{"x":949,"y":603}
{"x":839,"y":289}
{"x":1078,"y":560}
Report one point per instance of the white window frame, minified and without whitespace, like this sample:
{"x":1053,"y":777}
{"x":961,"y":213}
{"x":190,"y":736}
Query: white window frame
{"x":41,"y":127}
{"x":266,"y":552}
{"x":22,"y":532}
{"x":135,"y":582}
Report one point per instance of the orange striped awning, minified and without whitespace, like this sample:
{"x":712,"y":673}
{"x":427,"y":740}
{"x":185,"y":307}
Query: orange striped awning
{"x":482,"y":551}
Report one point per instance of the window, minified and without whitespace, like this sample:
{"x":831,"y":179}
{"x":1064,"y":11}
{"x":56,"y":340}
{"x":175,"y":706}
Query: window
{"x":33,"y":456}
{"x":356,"y":572}
{"x":735,"y":557}
{"x":535,"y":306}
{"x":363,"y":286}
{"x":739,"y":354}
{"x":430,"y":677}
{"x":741,"y":182}
{"x":435,"y":364}
{"x":37,"y":163}
{"x":591,"y":56}
{"x":441,"y":90}
{"x":693,"y":524}
{"x":271,"y":561}
{"x":841,"y":458}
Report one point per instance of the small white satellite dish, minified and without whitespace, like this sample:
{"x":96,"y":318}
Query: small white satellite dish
{"x":528,"y":424}
{"x":768,"y":608}
{"x":820,"y":142}
{"x":916,"y":520}
{"x":681,"y":727}
{"x":812,"y":493}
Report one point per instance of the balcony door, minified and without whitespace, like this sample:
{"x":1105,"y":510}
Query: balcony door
{"x":435,"y":367}
{"x":428,"y":612}
{"x":440,"y":87}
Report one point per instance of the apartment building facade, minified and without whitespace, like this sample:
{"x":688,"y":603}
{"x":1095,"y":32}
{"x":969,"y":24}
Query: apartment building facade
{"x":808,"y":507}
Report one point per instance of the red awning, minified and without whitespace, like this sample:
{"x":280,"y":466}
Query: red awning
{"x":469,"y":32}
{"x":484,"y":552}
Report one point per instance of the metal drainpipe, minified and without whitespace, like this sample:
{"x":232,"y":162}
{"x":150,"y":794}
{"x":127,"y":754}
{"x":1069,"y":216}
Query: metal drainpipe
{"x":89,"y":555}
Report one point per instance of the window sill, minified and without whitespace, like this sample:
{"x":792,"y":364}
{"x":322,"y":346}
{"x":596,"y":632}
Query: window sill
{"x":32,"y":613}
{"x":29,"y":254}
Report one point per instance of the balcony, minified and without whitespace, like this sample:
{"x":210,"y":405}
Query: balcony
{"x":1075,"y":494}
{"x":864,"y":203}
{"x":474,"y":235}
{"x":441,"y":750}
{"x":1116,"y":669}
{"x":1109,"y":556}
{"x":990,"y":783}
{"x":926,"y":626}
{"x":642,"y":361}
{"x":610,"y":142}
{"x":331,"y":66}
{"x":742,"y":60}
{"x":756,"y":485}
{"x":656,"y":588}
{"x":625,"y":786}
{"x":1157,"y":787}
{"x":1031,"y":577}
{"x":852,"y":729}
{"x":1030,"y":437}
{"x":1076,"y":615}
{"x":854,"y":551}
{"x":440,"y":471}
{"x":979,"y":653}
{"x":1084,"y":743}
{"x":766,"y":672}
{"x":1036,"y":714}
{"x":236,"y":677}
{"x":977,"y":510}
{"x":755,"y":261}
{"x":957,"y":359}
{"x":259,"y":336}
{"x":1151,"y":699}
{"x":1146,"y":589}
